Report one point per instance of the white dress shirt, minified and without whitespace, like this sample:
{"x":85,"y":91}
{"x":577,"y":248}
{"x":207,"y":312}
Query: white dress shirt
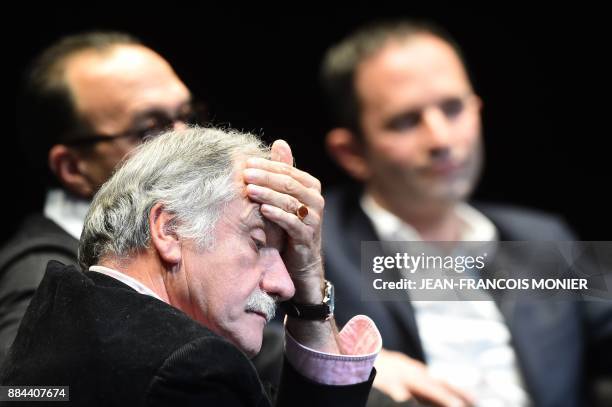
{"x":466,"y":343}
{"x":66,"y":210}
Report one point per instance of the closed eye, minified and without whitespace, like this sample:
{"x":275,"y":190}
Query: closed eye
{"x":258,"y":236}
{"x":259,"y":245}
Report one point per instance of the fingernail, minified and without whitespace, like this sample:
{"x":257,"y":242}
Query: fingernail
{"x":250,"y":174}
{"x":253,"y":190}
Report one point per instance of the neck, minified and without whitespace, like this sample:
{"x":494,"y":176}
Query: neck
{"x":144,"y":269}
{"x":436,"y":221}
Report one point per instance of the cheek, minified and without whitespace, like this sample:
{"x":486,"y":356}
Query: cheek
{"x":467,"y":133}
{"x":107,"y":157}
{"x":236,"y":278}
{"x":395,"y":150}
{"x":120,"y":151}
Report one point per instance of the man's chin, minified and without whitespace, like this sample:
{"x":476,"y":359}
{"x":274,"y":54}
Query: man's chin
{"x":252,"y":349}
{"x":250,"y":343}
{"x":248,"y":337}
{"x":448,"y":193}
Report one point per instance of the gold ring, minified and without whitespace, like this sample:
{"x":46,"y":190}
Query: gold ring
{"x":302,"y":212}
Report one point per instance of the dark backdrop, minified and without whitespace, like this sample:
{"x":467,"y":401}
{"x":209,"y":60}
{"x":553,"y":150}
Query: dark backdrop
{"x":539,"y":73}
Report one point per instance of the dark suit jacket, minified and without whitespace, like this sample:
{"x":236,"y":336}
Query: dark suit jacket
{"x":116,"y":347}
{"x":23,"y":261}
{"x":558,"y":344}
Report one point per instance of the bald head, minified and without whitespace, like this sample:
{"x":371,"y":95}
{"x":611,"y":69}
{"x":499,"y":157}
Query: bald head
{"x":94,"y":96}
{"x":112,"y":87}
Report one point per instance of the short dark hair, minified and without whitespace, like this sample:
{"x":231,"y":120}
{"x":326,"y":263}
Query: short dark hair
{"x":45,"y":111}
{"x":341,"y":61}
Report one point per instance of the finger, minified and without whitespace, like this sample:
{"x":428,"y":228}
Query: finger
{"x":268,"y":196}
{"x":467,"y":397}
{"x":298,"y":230}
{"x":282,"y":168}
{"x":397,"y":393}
{"x":433,"y":392}
{"x":285,"y":184}
{"x":281,"y":151}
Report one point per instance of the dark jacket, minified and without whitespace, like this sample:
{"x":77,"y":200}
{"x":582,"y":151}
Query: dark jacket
{"x":23,"y":261}
{"x":558,"y":344}
{"x":116,"y":347}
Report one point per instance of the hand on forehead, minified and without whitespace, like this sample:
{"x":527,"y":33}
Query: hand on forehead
{"x":275,"y":235}
{"x":281,"y":152}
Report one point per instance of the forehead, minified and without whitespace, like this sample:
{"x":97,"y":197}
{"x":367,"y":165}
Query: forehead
{"x":122,"y":80}
{"x":414,"y":70}
{"x":247,"y":213}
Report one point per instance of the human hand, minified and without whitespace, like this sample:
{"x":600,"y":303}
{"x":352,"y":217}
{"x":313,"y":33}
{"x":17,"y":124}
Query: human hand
{"x":282,"y":189}
{"x":403,"y":378}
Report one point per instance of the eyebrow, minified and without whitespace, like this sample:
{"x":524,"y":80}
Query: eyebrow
{"x":255,"y":219}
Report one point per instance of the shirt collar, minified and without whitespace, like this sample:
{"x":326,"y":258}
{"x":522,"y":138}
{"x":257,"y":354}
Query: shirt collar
{"x":67,"y":211}
{"x":475,"y":226}
{"x":125,"y":279}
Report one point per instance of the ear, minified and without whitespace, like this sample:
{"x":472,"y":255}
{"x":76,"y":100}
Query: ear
{"x":163,"y":238}
{"x":67,"y":167}
{"x":343,"y":145}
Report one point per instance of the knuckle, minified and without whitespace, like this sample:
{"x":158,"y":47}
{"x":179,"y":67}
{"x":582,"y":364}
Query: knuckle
{"x":285,"y":169}
{"x":320,"y":201}
{"x":292,"y":205}
{"x":266,"y":178}
{"x":289,"y":185}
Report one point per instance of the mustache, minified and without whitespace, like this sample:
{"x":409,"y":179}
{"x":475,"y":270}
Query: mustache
{"x":261,"y":302}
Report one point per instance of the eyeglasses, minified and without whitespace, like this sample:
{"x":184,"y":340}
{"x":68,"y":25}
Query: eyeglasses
{"x":153,"y":124}
{"x":451,"y":108}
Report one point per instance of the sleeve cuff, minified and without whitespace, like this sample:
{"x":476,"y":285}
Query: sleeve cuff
{"x":359,"y":341}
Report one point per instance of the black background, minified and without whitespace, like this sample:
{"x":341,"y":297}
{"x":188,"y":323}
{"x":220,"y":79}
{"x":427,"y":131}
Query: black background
{"x":539,"y":72}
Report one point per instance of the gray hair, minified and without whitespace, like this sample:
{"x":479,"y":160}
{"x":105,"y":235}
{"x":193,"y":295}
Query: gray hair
{"x":191,"y":172}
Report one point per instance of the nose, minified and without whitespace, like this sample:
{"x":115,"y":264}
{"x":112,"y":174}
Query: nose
{"x":437,"y":128}
{"x":276,"y":280}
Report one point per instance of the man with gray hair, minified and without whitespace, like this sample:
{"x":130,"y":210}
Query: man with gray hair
{"x":185,"y":251}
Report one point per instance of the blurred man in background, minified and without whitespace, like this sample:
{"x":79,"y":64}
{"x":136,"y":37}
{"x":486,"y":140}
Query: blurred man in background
{"x":87,"y":101}
{"x":407,"y":127}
